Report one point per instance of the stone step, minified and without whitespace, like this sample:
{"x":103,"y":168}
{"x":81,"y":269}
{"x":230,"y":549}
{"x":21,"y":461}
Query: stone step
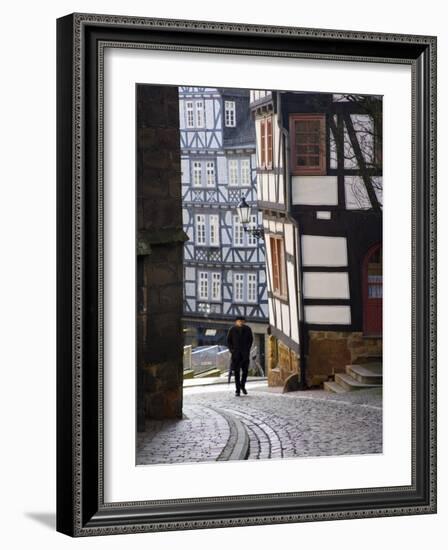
{"x":188,"y":373}
{"x":333,"y":387}
{"x":369,"y":358}
{"x":350,"y":384}
{"x":368,"y":373}
{"x":209,"y":373}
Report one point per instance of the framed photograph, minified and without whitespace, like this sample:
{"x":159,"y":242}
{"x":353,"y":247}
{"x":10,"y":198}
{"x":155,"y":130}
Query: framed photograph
{"x":246,"y":274}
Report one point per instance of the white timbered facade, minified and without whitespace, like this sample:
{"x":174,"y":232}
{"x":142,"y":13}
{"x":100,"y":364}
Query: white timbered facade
{"x":224,"y":265}
{"x":319,"y":187}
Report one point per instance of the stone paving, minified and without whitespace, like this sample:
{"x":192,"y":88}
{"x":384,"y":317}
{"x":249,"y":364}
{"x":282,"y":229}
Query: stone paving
{"x":296,"y":424}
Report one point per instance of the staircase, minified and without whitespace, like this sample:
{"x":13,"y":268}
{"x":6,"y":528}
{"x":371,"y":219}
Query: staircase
{"x":366,"y":374}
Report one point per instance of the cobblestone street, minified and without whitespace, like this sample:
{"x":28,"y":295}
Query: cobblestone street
{"x":264,"y":424}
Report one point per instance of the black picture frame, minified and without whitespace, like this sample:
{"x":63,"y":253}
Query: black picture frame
{"x":81,"y":510}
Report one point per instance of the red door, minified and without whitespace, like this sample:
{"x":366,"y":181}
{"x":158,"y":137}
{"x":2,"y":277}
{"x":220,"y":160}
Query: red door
{"x":373,"y":291}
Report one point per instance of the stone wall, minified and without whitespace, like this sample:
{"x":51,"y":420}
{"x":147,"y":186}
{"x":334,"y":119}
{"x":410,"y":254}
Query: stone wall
{"x":159,"y":244}
{"x":281,"y":362}
{"x":330,"y":351}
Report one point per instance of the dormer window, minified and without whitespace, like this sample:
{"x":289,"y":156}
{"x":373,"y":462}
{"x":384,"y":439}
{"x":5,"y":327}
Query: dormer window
{"x":307,"y":133}
{"x":229,"y":113}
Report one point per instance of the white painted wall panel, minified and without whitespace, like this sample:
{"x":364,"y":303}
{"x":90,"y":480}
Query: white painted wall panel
{"x":326,"y":285}
{"x":271,"y":312}
{"x":265,"y":190}
{"x":190,"y":289}
{"x":258,"y":139}
{"x":209,"y":114}
{"x":285,"y":319}
{"x":328,"y":315}
{"x":324,"y":251}
{"x":323,"y":215}
{"x":190,"y":273}
{"x":271,"y":187}
{"x":185,"y":168}
{"x":281,"y":190}
{"x":289,"y":238}
{"x":276,"y":135}
{"x":278,"y":312}
{"x":292,"y":298}
{"x":270,"y":300}
{"x":315,"y":190}
{"x":221,"y":163}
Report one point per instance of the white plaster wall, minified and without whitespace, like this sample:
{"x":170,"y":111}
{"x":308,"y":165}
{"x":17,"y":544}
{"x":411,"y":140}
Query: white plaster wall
{"x":323,"y":215}
{"x":324,"y":251}
{"x":221,"y":168}
{"x":209,"y":114}
{"x":314,"y":190}
{"x":278,"y":312}
{"x":328,"y":315}
{"x":281,"y":190}
{"x":185,"y":168}
{"x":285,"y":319}
{"x":326,"y":285}
{"x":271,"y":187}
{"x":289,"y":238}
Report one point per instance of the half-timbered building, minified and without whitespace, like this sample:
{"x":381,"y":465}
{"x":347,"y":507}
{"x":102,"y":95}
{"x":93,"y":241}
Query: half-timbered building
{"x":319,"y":186}
{"x":224,"y":265}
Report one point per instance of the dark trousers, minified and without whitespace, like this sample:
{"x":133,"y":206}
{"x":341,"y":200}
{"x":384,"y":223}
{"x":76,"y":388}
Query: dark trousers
{"x":240,"y":366}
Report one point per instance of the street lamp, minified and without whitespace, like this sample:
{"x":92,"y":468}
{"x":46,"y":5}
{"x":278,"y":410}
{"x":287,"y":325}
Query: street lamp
{"x":243,"y":210}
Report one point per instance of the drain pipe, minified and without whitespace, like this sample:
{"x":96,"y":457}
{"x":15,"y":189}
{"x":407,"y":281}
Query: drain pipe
{"x":298,"y":274}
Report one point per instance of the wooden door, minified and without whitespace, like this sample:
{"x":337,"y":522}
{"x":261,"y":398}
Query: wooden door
{"x":373,"y":291}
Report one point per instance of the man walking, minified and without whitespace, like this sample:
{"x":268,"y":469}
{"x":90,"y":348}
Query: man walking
{"x":239,"y":342}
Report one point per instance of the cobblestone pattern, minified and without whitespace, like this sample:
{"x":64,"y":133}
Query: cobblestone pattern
{"x":296,"y":424}
{"x":201,"y":435}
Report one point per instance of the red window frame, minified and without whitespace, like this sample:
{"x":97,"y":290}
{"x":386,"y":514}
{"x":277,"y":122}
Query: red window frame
{"x":263,"y":142}
{"x":315,"y":170}
{"x":269,"y":143}
{"x":279,"y":286}
{"x":266,"y":143}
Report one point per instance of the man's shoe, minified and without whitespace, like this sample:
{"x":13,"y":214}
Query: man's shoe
{"x":237,"y":393}
{"x":244,"y":391}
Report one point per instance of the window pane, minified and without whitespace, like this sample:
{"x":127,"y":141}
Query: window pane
{"x":189,"y":114}
{"x":216,"y":286}
{"x":251,"y":287}
{"x":308,"y":143}
{"x":200,"y":114}
{"x":245,"y":172}
{"x":233,"y":172}
{"x":203,"y":285}
{"x":238,"y":232}
{"x":210,"y":173}
{"x":229,"y":107}
{"x":214,"y":230}
{"x":200,"y":229}
{"x":251,"y":240}
{"x":238,"y":287}
{"x":197,"y":173}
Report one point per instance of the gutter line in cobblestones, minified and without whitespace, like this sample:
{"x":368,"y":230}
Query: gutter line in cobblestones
{"x":237,"y":447}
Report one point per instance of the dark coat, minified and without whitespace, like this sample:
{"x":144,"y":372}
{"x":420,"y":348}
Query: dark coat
{"x":239,"y":341}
